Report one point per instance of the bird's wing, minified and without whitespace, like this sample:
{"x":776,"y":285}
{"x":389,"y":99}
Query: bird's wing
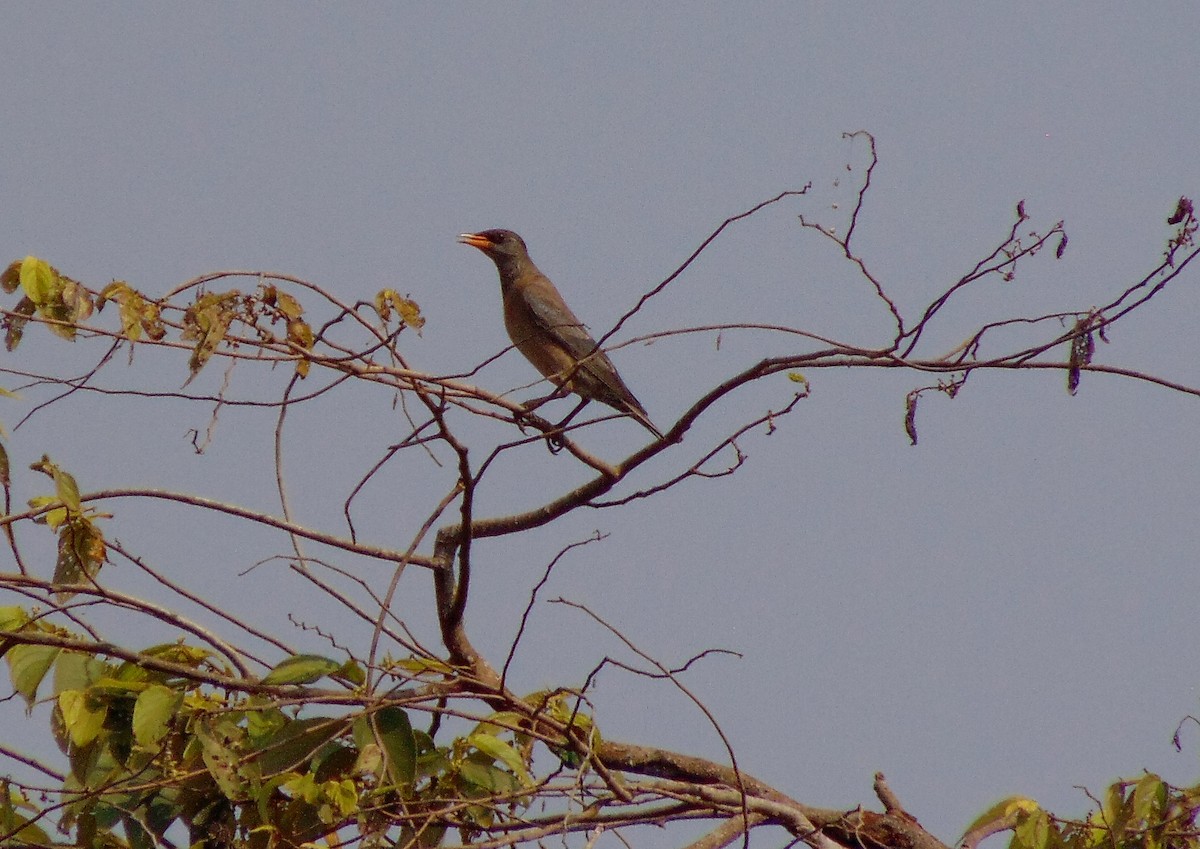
{"x":556,"y":318}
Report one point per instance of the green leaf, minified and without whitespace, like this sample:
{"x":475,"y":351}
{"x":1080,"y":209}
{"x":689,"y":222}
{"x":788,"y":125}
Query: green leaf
{"x":418,"y":665}
{"x":15,"y":825}
{"x":394,"y":734}
{"x":501,"y":721}
{"x":65,"y":488}
{"x":216,"y":739}
{"x":152,"y":714}
{"x":1149,"y":799}
{"x":427,"y":838}
{"x":1004,"y":814}
{"x":335,"y":763}
{"x":1113,"y":807}
{"x":499,"y":750}
{"x":192,"y":656}
{"x":107,"y":685}
{"x":431,"y":760}
{"x":487,"y":778}
{"x":262,"y":725}
{"x":134,"y":676}
{"x":353,"y":673}
{"x":82,"y":715}
{"x":40,"y":502}
{"x":1032,"y":831}
{"x":296,"y":743}
{"x":301,"y":669}
{"x":13,"y":618}
{"x":362,"y":732}
{"x":76,"y":670}
{"x":27,"y":666}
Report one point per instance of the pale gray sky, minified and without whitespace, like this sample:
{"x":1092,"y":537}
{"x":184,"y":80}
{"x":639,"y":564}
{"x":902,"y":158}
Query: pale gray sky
{"x":1008,"y":607}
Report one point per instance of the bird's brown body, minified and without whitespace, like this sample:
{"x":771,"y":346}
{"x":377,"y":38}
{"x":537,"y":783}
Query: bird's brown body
{"x":548,"y":333}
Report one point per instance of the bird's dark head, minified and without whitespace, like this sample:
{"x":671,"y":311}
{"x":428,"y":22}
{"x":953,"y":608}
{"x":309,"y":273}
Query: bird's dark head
{"x":500,"y":245}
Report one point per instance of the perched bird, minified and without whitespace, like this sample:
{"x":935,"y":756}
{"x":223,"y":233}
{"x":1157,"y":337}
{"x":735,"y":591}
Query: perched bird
{"x":544,"y":329}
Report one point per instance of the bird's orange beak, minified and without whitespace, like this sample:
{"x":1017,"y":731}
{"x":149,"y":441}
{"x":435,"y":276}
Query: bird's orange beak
{"x":474,"y":240}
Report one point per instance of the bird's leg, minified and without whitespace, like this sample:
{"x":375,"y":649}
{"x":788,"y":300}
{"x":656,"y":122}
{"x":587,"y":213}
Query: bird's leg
{"x":554,"y":440}
{"x":527,"y":415}
{"x":534,"y":403}
{"x":572,"y":414}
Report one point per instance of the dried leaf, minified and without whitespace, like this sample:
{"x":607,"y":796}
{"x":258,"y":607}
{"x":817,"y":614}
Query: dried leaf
{"x":910,"y":416}
{"x":383,"y":303}
{"x":387,"y":300}
{"x":81,"y":553}
{"x":15,"y":323}
{"x":138,"y":315}
{"x":151,"y":321}
{"x":10,"y":278}
{"x":1083,"y":346}
{"x":207,"y":322}
{"x":1183,"y":210}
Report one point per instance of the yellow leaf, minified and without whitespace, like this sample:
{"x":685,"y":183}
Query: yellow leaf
{"x":410,"y":313}
{"x":151,"y":321}
{"x":82,"y":715}
{"x":288,"y":305}
{"x":300,"y":334}
{"x":137,"y":314}
{"x":39,"y":280}
{"x":77,"y":300}
{"x":1003,"y":814}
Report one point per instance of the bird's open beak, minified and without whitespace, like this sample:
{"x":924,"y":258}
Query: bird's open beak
{"x":474,"y":240}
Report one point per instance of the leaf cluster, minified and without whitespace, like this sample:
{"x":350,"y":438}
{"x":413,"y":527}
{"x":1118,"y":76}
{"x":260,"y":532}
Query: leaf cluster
{"x":149,"y":746}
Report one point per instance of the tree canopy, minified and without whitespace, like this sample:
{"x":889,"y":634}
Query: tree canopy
{"x":181,"y":718}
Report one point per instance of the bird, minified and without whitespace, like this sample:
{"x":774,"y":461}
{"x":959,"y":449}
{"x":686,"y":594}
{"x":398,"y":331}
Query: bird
{"x":548,"y":334}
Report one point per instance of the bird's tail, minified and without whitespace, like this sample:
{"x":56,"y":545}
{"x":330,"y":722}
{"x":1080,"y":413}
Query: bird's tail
{"x":643,"y":420}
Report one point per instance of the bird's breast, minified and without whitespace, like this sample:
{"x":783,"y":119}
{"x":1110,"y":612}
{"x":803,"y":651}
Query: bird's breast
{"x":534,"y":340}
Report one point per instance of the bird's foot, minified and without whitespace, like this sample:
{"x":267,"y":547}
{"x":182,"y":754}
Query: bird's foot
{"x":553,"y":433}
